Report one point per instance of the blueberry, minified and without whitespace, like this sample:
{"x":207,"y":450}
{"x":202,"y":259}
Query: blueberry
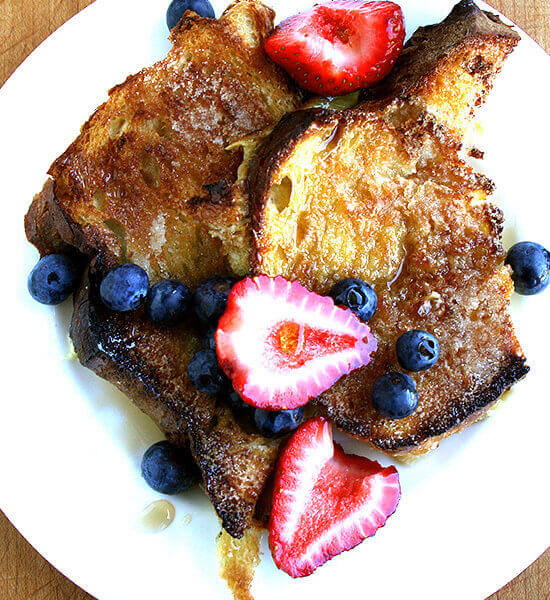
{"x":211,"y":298}
{"x":275,"y":423}
{"x":178,"y":7}
{"x":530,"y":264}
{"x":168,"y":469}
{"x":394,"y":395}
{"x":417,"y":350}
{"x":168,"y":301}
{"x":356,"y":295}
{"x":237,"y":404}
{"x":209,"y":340}
{"x":54,"y":278}
{"x":124,"y":288}
{"x":205,"y":373}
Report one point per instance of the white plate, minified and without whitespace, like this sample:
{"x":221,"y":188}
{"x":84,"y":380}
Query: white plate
{"x":473,"y":514}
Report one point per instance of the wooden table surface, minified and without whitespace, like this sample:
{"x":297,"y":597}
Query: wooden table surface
{"x":24,"y":574}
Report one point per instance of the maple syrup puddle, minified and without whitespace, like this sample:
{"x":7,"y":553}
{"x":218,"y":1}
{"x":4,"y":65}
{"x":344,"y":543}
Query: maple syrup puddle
{"x":157,"y":516}
{"x":237,"y":561}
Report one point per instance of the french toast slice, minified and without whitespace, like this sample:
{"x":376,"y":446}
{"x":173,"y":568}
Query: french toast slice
{"x":150,"y":179}
{"x":380,"y":192}
{"x":149,"y":364}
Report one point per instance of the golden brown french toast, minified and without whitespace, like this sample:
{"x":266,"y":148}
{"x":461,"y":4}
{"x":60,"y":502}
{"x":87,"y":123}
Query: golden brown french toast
{"x":149,"y":179}
{"x":213,"y":236}
{"x":380,"y":192}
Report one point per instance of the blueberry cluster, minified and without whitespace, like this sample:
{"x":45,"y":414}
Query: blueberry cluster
{"x":204,"y":371}
{"x":126,"y":288}
{"x":170,"y":469}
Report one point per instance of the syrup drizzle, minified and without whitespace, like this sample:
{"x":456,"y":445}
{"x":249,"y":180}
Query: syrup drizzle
{"x":157,"y":516}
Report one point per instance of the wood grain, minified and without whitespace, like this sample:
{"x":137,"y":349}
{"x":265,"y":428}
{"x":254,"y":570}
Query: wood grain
{"x":24,"y":574}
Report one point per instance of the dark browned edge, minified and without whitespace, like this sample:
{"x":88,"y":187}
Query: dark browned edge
{"x":465,"y":24}
{"x":465,"y":410}
{"x":95,"y":342}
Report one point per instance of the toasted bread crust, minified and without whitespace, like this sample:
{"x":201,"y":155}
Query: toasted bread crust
{"x":449,"y":68}
{"x":42,"y":224}
{"x":149,"y":364}
{"x":142,"y":181}
{"x":464,"y":413}
{"x":380,"y":192}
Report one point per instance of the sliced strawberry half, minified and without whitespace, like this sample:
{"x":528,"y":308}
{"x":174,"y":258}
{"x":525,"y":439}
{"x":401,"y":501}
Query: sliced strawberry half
{"x":340,"y":46}
{"x":325,"y":501}
{"x":281,"y":344}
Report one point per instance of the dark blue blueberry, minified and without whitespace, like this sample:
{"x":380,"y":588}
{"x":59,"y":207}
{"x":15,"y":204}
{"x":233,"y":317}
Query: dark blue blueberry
{"x":124,"y":288}
{"x":237,"y":404}
{"x":168,"y":469}
{"x":54,"y":278}
{"x":417,"y":350}
{"x":211,"y":299}
{"x":530,"y":264}
{"x":209,"y":340}
{"x":394,"y":395}
{"x":168,"y":301}
{"x":357,"y":295}
{"x":205,"y":373}
{"x":275,"y":423}
{"x":178,"y":7}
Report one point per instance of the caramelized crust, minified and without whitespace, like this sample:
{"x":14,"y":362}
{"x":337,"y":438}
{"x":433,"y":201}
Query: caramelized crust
{"x":149,"y":364}
{"x":41,"y":226}
{"x":149,"y":178}
{"x":447,"y":69}
{"x":379,"y":192}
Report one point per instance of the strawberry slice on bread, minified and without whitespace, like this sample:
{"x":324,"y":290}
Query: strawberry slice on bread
{"x":325,"y":501}
{"x":282,"y":345}
{"x":340,"y":46}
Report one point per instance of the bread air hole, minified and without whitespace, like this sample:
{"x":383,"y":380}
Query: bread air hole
{"x":99,"y":200}
{"x":302,"y":226}
{"x":162,"y":128}
{"x":280,"y":193}
{"x":117,"y":127}
{"x":150,"y":170}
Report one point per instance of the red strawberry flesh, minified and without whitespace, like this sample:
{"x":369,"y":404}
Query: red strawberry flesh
{"x":282,"y":345}
{"x":339,"y":47}
{"x":325,"y":501}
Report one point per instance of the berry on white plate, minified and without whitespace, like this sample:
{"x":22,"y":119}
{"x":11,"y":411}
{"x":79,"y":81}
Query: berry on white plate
{"x":325,"y":501}
{"x":282,"y":345}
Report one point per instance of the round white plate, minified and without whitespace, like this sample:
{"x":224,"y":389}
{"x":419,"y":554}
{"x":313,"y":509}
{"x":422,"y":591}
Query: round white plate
{"x":473,"y":514}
